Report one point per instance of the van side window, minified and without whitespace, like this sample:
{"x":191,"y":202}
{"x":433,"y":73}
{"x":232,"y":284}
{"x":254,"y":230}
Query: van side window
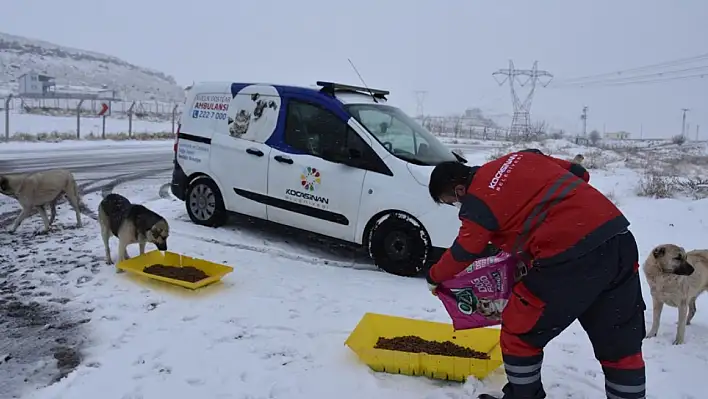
{"x":310,"y":128}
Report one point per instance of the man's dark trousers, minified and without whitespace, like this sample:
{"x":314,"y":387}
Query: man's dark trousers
{"x":601,"y":289}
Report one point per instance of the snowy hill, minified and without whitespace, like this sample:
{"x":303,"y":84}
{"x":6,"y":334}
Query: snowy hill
{"x":80,"y":70}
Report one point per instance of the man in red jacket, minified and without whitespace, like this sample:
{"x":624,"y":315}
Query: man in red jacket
{"x":582,"y":260}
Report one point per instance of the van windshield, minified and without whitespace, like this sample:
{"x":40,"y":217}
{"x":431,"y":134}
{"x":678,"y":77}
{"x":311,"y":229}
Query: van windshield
{"x":400,"y":134}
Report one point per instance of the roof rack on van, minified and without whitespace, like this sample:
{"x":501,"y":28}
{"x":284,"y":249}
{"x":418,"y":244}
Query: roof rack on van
{"x":331,"y":87}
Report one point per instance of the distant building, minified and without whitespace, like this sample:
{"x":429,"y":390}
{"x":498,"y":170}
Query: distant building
{"x":581,"y":140}
{"x":621,"y":135}
{"x":33,"y":83}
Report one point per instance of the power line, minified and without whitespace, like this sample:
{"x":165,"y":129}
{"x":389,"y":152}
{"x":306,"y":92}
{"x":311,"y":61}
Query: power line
{"x":680,"y":61}
{"x":703,"y":68}
{"x":631,"y":82}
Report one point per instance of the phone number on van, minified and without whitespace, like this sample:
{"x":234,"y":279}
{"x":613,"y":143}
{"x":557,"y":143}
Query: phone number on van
{"x":209,"y":114}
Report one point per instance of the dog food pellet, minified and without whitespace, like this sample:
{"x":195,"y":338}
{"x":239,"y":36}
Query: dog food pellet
{"x":187,"y":273}
{"x":413,"y":344}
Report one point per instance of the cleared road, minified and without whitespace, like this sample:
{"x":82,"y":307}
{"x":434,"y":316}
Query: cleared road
{"x":114,"y":160}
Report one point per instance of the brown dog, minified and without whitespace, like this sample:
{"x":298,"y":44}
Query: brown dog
{"x":37,"y":189}
{"x":676,"y":278}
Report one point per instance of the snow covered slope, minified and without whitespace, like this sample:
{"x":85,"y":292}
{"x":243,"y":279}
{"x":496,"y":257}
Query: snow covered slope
{"x":79,"y":69}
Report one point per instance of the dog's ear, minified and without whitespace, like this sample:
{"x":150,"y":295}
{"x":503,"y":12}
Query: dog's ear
{"x":658,"y":252}
{"x":3,"y":183}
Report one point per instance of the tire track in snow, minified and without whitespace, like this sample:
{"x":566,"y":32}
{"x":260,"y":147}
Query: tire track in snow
{"x":280,"y":253}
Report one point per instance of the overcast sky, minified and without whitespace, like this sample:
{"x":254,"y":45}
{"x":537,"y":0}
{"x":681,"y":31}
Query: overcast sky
{"x":449,"y":48}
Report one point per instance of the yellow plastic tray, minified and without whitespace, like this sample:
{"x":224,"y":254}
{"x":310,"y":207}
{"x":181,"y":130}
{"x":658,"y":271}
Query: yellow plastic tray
{"x":137,"y":264}
{"x":372,"y":326}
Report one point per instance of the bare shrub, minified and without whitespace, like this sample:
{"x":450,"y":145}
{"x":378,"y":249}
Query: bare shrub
{"x":594,"y":160}
{"x":48,"y":136}
{"x":557,"y":135}
{"x":55,"y":136}
{"x":634,"y":163}
{"x":695,"y":187}
{"x":594,"y":137}
{"x":655,"y":185}
{"x":678,"y":139}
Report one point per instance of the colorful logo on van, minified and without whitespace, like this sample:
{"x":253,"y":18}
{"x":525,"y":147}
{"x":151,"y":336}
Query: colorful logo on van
{"x":310,"y":178}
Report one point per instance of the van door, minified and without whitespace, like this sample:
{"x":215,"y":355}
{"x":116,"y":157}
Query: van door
{"x":306,"y":190}
{"x":239,"y":154}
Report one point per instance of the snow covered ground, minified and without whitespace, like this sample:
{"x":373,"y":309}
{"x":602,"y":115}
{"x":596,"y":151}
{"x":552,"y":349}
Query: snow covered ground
{"x":276,"y":326}
{"x":33,"y":124}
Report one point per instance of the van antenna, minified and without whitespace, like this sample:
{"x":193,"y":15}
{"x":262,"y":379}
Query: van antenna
{"x":362,"y":80}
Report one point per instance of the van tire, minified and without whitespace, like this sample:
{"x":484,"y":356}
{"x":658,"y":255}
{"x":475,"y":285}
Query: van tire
{"x":399,"y":246}
{"x":196,"y":200}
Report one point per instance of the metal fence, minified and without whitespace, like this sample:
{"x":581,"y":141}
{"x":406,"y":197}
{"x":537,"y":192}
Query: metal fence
{"x":464,"y":128}
{"x":60,"y":106}
{"x":129,"y":110}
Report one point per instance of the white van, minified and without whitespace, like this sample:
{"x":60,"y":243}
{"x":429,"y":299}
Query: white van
{"x":333,"y":160}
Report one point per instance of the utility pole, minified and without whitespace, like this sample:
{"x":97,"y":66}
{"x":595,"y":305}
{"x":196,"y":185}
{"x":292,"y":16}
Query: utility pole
{"x":521,"y":120}
{"x":683,"y":122}
{"x":584,"y":118}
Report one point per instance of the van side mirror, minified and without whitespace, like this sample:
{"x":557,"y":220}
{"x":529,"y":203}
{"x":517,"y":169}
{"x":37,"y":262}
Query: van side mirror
{"x":458,"y":154}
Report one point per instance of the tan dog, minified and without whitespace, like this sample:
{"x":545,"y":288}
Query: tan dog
{"x":131,"y":223}
{"x":676,"y":278}
{"x":578,"y":159}
{"x":37,"y":189}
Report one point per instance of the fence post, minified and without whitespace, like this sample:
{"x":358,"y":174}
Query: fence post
{"x":130,"y":120}
{"x":174,"y":116}
{"x":7,"y":117}
{"x":78,"y":120}
{"x":103,"y":127}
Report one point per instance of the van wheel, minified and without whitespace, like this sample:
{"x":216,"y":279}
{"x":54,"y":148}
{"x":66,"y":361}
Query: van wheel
{"x":205,"y":205}
{"x":399,"y":246}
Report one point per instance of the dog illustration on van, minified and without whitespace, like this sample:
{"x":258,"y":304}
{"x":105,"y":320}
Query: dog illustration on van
{"x":240,"y":123}
{"x":238,"y":126}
